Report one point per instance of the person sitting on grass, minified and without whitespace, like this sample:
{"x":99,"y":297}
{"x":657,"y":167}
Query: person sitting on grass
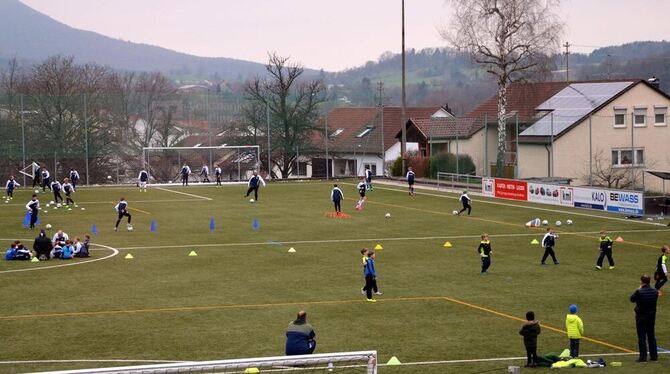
{"x":300,"y":336}
{"x":11,"y":252}
{"x":57,"y":251}
{"x":81,"y":249}
{"x":530,"y":331}
{"x":68,"y":251}
{"x":22,"y":253}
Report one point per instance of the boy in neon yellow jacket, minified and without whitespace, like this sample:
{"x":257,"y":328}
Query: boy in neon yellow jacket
{"x":575,"y":329}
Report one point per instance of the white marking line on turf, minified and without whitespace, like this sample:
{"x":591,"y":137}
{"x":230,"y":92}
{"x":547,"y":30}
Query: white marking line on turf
{"x":379,"y":239}
{"x":184,"y":193}
{"x":530,"y":207}
{"x":94,"y":361}
{"x":114,"y":253}
{"x":132,"y":201}
{"x":508,"y":359}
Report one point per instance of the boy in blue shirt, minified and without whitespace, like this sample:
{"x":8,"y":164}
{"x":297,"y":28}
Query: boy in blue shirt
{"x":370,"y":277}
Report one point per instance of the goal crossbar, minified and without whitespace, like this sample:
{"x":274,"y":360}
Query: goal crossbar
{"x":366,"y":360}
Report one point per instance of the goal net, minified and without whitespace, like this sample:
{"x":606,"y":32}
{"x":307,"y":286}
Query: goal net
{"x":344,"y":362}
{"x":164,"y":164}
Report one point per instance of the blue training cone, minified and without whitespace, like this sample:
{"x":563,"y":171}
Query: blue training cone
{"x":153,"y":225}
{"x":94,"y":229}
{"x":255,"y":224}
{"x":212,"y":225}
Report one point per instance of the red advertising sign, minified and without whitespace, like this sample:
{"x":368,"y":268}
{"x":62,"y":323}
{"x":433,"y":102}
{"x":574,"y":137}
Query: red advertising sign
{"x":511,"y":189}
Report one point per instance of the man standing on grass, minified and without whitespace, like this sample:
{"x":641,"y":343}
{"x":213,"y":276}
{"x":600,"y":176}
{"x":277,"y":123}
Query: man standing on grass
{"x":645,"y":299}
{"x":185,"y":172}
{"x":254,"y":183}
{"x":548,"y":242}
{"x":300,"y":336}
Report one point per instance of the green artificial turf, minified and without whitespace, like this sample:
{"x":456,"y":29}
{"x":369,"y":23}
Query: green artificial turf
{"x":235,"y":298}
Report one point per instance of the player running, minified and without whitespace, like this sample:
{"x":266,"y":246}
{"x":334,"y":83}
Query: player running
{"x":361,"y":187}
{"x":465,"y":200}
{"x":548,"y":242}
{"x":143,"y":179}
{"x":410,"y":180}
{"x":122,"y":209}
{"x":74,"y":178}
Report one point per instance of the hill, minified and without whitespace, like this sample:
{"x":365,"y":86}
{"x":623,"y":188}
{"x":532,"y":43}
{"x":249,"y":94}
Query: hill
{"x":33,"y":36}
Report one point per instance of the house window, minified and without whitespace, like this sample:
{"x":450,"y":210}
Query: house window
{"x":626,"y":157}
{"x":364,"y":132}
{"x":619,"y":117}
{"x":660,"y":116}
{"x":336,"y":133}
{"x":640,"y":117}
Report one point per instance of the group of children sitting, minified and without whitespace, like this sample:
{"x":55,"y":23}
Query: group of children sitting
{"x":45,"y":249}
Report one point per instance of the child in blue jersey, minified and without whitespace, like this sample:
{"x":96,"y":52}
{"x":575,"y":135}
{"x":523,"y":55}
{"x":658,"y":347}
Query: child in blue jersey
{"x":56,"y":187}
{"x":68,"y":251}
{"x":217,"y":173}
{"x":142,"y":179}
{"x":74,"y":178}
{"x":368,"y":178}
{"x":68,"y":188}
{"x":465,"y":200}
{"x":10,"y":186}
{"x":46,"y":181}
{"x":410,"y":180}
{"x":33,"y":207}
{"x":254,"y":184}
{"x":370,"y":277}
{"x":122,"y":210}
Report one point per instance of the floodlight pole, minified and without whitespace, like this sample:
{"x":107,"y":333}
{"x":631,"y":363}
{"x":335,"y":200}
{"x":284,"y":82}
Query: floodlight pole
{"x":23,"y":144}
{"x":403,"y":130}
{"x":326,"y":146}
{"x":590,"y":154}
{"x":551,"y":155}
{"x":267,"y":115}
{"x":86,"y":139}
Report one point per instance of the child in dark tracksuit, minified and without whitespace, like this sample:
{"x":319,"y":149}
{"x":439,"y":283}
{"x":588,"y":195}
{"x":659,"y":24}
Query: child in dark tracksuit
{"x":485,"y":253}
{"x":370,"y":277}
{"x":530,"y":331}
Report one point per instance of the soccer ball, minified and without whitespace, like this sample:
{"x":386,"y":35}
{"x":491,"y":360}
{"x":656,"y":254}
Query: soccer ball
{"x":37,"y":191}
{"x":52,"y":202}
{"x":58,"y":205}
{"x":83,"y":208}
{"x":251,"y":200}
{"x":130,"y":227}
{"x":558,"y":223}
{"x":48,"y":226}
{"x":545,"y":222}
{"x":109,"y":177}
{"x":455,"y":212}
{"x":569,"y":222}
{"x":387,"y":215}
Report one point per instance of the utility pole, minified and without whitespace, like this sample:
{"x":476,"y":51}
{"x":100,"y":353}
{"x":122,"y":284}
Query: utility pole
{"x":567,"y":61}
{"x":380,"y":86}
{"x":403,"y":130}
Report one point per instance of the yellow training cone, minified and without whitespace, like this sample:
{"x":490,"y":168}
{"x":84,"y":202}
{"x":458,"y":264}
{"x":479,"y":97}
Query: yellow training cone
{"x":534,"y":241}
{"x":378,"y":247}
{"x":35,"y":259}
{"x":129,"y":257}
{"x":447,"y":244}
{"x":192,"y":254}
{"x":291,"y":250}
{"x":393,"y":361}
{"x":619,"y":239}
{"x":251,"y":370}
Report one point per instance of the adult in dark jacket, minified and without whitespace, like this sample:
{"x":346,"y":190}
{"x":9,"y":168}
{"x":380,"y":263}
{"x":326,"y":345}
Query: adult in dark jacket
{"x":530,"y":331}
{"x":300,"y":336}
{"x":645,"y":298}
{"x":42,"y":246}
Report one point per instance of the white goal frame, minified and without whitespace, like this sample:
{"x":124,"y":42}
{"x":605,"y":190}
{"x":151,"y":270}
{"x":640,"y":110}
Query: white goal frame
{"x":146,"y":153}
{"x":360,"y":360}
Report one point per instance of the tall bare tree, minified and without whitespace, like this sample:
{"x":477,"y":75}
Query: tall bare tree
{"x":153,"y":89}
{"x":293,"y":106}
{"x":507,"y":37}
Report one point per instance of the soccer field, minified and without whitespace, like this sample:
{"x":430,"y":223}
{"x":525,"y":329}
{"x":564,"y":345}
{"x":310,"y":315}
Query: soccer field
{"x":236,"y":297}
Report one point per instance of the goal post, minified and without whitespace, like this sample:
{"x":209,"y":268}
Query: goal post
{"x":30,"y":170}
{"x":235,"y":161}
{"x":341,"y":362}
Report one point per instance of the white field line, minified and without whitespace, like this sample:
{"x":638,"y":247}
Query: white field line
{"x":530,"y":207}
{"x":508,"y":359}
{"x":184,"y":193}
{"x":114,"y":202}
{"x":114,"y":253}
{"x":378,"y":240}
{"x":404,"y":363}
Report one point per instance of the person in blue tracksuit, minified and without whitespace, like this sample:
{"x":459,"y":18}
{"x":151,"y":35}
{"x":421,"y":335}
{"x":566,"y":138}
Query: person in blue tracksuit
{"x":67,"y":251}
{"x":336,"y":195}
{"x":204,"y":173}
{"x":185,"y":172}
{"x":465,"y":200}
{"x":300,"y":336}
{"x":410,"y":180}
{"x":56,"y":187}
{"x":74,"y":178}
{"x":33,"y":207}
{"x":254,"y":183}
{"x":370,"y":277}
{"x":217,"y":173}
{"x":37,"y":176}
{"x":46,"y":181}
{"x":10,"y":186}
{"x":368,"y":178}
{"x":143,"y":179}
{"x":68,"y":188}
{"x":122,"y":210}
{"x":549,"y":242}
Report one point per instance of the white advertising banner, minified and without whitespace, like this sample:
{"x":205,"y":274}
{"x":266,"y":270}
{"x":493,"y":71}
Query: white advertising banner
{"x":625,"y":202}
{"x":488,"y":187}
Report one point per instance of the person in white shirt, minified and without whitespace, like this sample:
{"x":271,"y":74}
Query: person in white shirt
{"x":68,"y":188}
{"x":204,"y":172}
{"x":142,"y":180}
{"x":185,"y":172}
{"x":217,"y":172}
{"x":60,"y":238}
{"x":254,"y":183}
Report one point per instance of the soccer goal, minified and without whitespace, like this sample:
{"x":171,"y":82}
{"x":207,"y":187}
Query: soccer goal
{"x":30,"y":170}
{"x":344,"y":362}
{"x":236,"y":162}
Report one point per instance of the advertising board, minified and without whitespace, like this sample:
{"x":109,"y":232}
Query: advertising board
{"x":488,"y":187}
{"x":511,"y":189}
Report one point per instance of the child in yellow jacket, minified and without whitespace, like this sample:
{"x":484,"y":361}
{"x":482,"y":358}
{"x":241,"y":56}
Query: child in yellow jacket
{"x":575,"y":329}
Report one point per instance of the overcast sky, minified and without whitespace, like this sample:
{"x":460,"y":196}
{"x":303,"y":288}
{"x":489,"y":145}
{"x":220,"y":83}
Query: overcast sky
{"x":334,"y":34}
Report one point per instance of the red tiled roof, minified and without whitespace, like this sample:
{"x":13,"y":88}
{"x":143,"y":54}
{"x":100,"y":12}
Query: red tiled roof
{"x":353,"y":121}
{"x":446,"y":128}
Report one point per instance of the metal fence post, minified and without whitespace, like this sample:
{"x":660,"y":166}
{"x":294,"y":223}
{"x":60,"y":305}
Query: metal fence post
{"x":23,"y":143}
{"x":86,"y":140}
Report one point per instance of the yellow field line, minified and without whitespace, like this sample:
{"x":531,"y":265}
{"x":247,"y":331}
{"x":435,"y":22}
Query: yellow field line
{"x":135,"y":209}
{"x":544,"y":325}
